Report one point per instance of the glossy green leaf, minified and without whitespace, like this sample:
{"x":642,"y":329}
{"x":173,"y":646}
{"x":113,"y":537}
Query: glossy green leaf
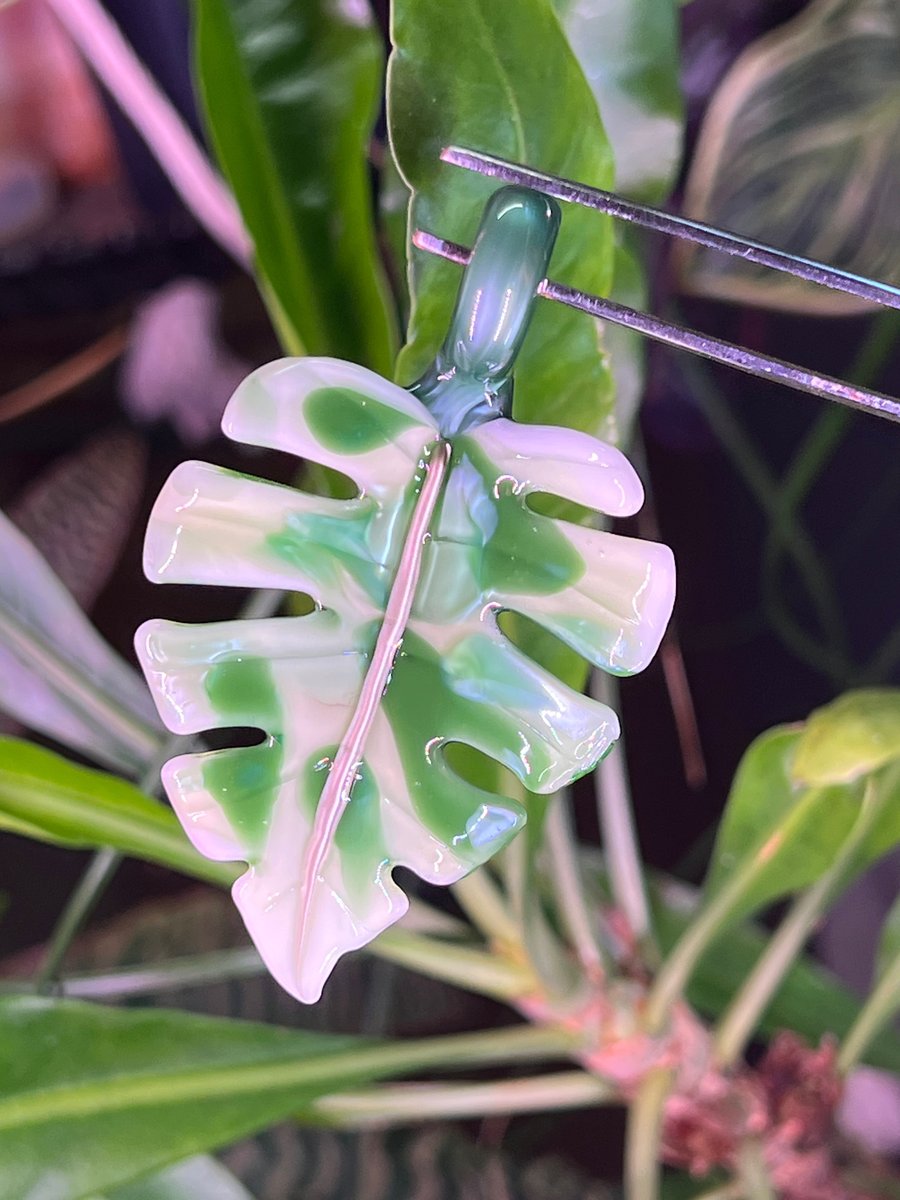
{"x":800,"y":148}
{"x":502,"y":78}
{"x":57,"y":675}
{"x":198,"y":1178}
{"x":809,"y":1001}
{"x":91,"y":1097}
{"x":44,"y":796}
{"x":778,"y":835}
{"x":856,"y":734}
{"x":291,"y":89}
{"x":628,"y":50}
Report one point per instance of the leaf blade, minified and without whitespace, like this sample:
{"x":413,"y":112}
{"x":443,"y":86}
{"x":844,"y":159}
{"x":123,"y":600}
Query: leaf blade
{"x":198,"y":1178}
{"x":57,"y":675}
{"x":44,"y":796}
{"x":471,"y":77}
{"x":291,"y":94}
{"x":145,"y":1088}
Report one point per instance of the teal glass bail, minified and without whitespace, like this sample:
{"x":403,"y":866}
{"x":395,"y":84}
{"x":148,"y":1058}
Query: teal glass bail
{"x":471,"y":380}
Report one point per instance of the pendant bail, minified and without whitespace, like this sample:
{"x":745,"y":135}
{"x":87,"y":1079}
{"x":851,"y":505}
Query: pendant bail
{"x":471,"y":379}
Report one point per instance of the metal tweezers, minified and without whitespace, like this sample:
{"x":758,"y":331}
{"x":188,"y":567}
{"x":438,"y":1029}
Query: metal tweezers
{"x":694,"y":231}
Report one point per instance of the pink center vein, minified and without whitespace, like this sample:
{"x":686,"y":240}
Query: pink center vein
{"x":338,"y":786}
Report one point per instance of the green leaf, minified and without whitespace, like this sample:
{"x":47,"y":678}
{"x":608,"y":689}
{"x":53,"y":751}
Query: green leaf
{"x":198,"y":1178}
{"x":92,"y":1097}
{"x":849,"y":738}
{"x":800,"y":148}
{"x":628,"y":50}
{"x":809,"y":1001}
{"x":778,"y":835}
{"x":502,"y":78}
{"x":44,"y":796}
{"x":139,"y":1089}
{"x":291,"y":90}
{"x":57,"y":675}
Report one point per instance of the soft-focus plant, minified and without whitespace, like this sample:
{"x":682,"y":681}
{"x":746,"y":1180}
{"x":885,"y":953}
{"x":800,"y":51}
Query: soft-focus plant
{"x":623,"y":987}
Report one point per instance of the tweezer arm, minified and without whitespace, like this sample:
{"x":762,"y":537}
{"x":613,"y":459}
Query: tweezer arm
{"x":680,"y":227}
{"x":688,"y":339}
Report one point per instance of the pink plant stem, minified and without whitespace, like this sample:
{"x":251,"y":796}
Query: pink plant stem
{"x":140,"y":98}
{"x":336,"y":792}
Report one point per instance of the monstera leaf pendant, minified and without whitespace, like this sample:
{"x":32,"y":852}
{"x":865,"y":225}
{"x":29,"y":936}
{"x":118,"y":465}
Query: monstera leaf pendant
{"x":403,"y":653}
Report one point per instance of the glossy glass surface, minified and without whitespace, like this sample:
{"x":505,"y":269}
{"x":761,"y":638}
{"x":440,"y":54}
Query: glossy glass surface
{"x":404,"y":655}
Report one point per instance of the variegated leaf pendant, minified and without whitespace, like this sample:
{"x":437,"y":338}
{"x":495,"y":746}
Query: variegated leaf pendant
{"x":403,"y":653}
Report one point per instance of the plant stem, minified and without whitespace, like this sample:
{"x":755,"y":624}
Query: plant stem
{"x":752,"y":1172}
{"x":566,"y":876}
{"x":882,"y":1005}
{"x":643,"y":1135}
{"x":484,"y":904}
{"x":93,"y":883}
{"x":742,"y":1016}
{"x":709,"y":922}
{"x":192,"y":970}
{"x":617,"y":828}
{"x":465,"y":966}
{"x":416,"y":1102}
{"x":97,"y":876}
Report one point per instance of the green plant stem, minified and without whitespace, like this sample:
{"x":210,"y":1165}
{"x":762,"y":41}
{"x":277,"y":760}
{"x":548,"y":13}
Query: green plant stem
{"x":567,"y":885}
{"x":619,"y":837}
{"x":97,"y":876}
{"x":467,"y":967}
{"x":93,"y":883}
{"x":493,"y":1047}
{"x":673,"y":976}
{"x":643,"y":1134}
{"x":417,"y":1102}
{"x":742,"y":1016}
{"x":485,"y":905}
{"x":880,"y":1008}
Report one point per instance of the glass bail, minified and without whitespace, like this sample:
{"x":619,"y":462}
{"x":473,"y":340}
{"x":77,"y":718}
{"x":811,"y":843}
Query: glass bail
{"x":471,"y":379}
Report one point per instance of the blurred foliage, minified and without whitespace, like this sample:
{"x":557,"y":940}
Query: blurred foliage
{"x":800,"y":148}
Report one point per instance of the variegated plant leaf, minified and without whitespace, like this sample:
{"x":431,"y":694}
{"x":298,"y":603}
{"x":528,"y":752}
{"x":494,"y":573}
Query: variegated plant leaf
{"x":402,"y":656}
